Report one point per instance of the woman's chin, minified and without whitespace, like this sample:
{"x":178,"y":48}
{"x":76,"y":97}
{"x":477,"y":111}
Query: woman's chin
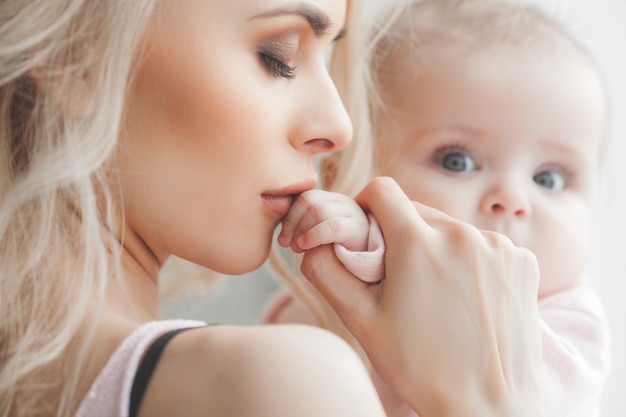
{"x":244,"y":262}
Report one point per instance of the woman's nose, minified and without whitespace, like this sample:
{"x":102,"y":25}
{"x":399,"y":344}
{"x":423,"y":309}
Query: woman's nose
{"x":506,"y":200}
{"x":322,"y":122}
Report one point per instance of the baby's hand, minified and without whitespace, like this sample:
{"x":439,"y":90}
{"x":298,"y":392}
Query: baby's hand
{"x":320,"y":217}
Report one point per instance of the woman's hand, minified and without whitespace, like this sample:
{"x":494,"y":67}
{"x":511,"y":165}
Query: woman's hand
{"x":453,"y":326}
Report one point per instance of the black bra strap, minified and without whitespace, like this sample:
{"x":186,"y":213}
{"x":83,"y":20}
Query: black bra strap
{"x":146,"y":368}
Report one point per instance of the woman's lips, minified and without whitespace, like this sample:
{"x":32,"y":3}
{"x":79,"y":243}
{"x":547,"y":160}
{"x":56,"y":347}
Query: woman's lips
{"x":279,"y":204}
{"x":279,"y":201}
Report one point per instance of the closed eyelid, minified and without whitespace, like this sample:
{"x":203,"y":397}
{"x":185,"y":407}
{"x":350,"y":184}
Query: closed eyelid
{"x":282,"y":48}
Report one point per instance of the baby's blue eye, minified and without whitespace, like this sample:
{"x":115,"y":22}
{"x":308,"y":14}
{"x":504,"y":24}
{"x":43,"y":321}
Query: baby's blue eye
{"x":551,"y":180}
{"x":458,"y":162}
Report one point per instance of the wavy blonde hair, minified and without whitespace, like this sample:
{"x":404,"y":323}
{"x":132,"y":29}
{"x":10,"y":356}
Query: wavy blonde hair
{"x":358,"y":67}
{"x":64,"y":70}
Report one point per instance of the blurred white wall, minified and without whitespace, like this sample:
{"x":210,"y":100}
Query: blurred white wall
{"x":601,"y":24}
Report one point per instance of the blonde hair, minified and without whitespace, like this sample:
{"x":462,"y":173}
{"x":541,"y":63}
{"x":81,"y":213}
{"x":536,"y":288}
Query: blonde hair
{"x":358,"y":67}
{"x":64,"y":70}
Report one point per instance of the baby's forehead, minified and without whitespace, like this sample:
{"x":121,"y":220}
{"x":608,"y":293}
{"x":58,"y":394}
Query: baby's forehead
{"x":472,"y":27}
{"x":556,"y":98}
{"x":443,"y":55}
{"x":549,"y":44}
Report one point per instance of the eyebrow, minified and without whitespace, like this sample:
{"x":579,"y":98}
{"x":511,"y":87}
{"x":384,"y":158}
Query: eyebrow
{"x":319,"y":21}
{"x":581,"y":157}
{"x":452,"y":128}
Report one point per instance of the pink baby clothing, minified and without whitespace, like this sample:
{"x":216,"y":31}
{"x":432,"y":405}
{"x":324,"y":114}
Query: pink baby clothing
{"x":574,"y":329}
{"x":109,"y":395}
{"x":576,"y":352}
{"x":368,"y":265}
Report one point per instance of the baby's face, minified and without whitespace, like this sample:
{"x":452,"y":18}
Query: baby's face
{"x":506,"y":140}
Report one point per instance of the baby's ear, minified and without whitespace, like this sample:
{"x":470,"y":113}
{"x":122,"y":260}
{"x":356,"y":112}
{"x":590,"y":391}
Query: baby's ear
{"x":329,"y":168}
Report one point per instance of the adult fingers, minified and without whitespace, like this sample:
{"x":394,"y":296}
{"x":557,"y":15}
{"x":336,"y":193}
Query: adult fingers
{"x":350,"y":297}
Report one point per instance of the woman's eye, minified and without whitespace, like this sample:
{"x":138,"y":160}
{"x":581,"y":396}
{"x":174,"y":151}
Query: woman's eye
{"x":276,"y":67}
{"x":551,"y":180}
{"x":457,"y":162}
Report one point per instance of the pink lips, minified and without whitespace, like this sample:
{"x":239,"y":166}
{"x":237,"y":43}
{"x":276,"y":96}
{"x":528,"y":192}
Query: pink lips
{"x":279,"y":201}
{"x":279,"y":204}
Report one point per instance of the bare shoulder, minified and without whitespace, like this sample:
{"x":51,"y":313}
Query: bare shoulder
{"x":281,"y":370}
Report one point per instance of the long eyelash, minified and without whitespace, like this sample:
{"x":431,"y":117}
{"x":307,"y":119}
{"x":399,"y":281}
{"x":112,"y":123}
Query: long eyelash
{"x":276,"y":67}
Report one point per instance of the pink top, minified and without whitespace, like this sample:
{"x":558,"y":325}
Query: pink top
{"x":574,"y":330}
{"x":109,"y":395}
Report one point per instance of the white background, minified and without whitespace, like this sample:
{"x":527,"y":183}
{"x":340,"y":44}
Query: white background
{"x":601,"y":25}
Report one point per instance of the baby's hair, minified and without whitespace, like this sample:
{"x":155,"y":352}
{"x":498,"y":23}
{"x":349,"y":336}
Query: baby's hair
{"x":359,"y":65}
{"x":64,"y":70}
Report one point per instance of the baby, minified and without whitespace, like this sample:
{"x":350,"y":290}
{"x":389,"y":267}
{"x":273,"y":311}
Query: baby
{"x":492,"y":113}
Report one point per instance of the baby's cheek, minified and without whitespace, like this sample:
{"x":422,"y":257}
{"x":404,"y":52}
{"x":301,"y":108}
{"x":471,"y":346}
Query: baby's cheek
{"x":563,"y":256}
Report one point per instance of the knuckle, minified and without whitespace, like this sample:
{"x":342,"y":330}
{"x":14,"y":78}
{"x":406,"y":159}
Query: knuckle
{"x":317,"y":213}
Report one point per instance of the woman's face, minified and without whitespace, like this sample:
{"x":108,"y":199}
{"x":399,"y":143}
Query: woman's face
{"x":229,"y":105}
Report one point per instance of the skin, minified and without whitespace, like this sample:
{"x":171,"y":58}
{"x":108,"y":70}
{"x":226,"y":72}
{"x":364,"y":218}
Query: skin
{"x":502,"y":139}
{"x":217,"y":141}
{"x":507,"y":140}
